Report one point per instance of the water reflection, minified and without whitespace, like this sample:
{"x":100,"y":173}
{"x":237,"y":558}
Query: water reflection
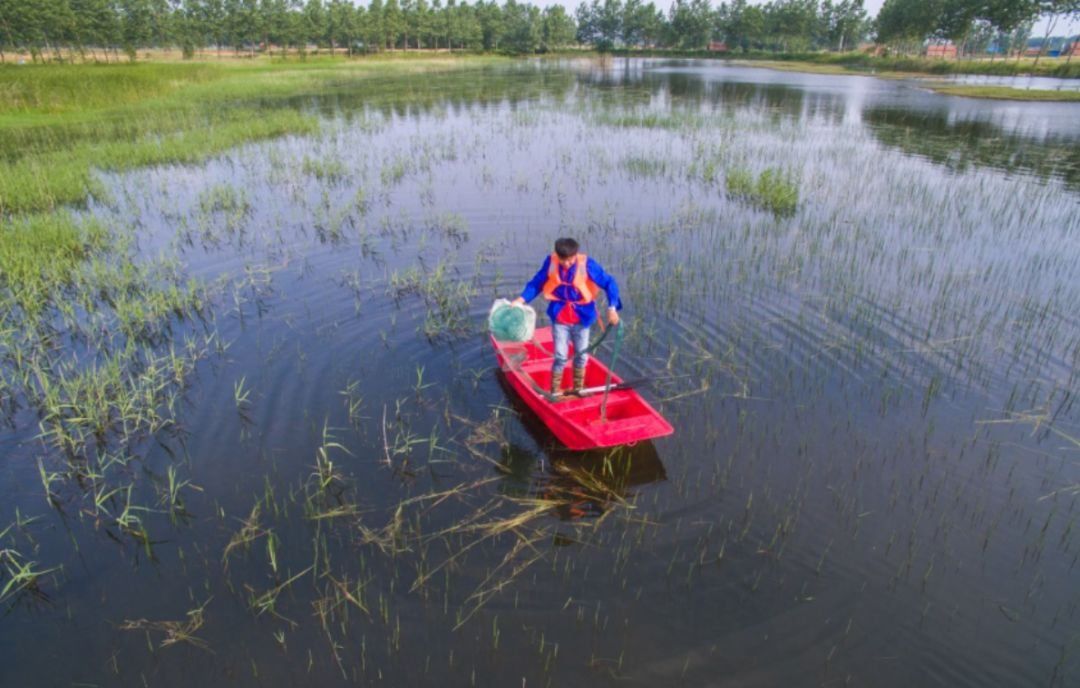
{"x":583,"y":484}
{"x":960,"y":144}
{"x":1033,"y":138}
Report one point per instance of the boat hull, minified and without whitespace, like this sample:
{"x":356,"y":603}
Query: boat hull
{"x":576,"y":421}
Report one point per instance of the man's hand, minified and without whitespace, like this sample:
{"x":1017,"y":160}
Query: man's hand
{"x":613,"y":316}
{"x":518,"y":302}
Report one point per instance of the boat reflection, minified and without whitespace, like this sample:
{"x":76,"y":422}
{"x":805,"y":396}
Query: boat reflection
{"x":581,"y":484}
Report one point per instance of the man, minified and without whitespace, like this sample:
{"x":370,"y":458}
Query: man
{"x":570,"y":281}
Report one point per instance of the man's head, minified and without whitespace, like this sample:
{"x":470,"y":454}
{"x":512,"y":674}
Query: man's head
{"x":566,"y":249}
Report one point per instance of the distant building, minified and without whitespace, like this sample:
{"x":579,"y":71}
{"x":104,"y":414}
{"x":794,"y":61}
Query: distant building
{"x":941,"y":51}
{"x":717,"y":47}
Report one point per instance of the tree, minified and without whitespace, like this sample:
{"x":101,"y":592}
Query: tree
{"x":907,"y":21}
{"x":791,"y":24}
{"x":586,"y":24}
{"x":93,"y":19}
{"x":956,"y":20}
{"x":275,"y":23}
{"x":314,"y":24}
{"x":490,"y":17}
{"x":843,"y":24}
{"x":419,"y":21}
{"x":690,"y":23}
{"x":1054,"y":10}
{"x":523,"y":32}
{"x":633,"y":22}
{"x":609,"y":18}
{"x":558,"y":28}
{"x":393,"y":24}
{"x":136,"y":27}
{"x":373,"y":31}
{"x":1006,"y":16}
{"x":468,"y":31}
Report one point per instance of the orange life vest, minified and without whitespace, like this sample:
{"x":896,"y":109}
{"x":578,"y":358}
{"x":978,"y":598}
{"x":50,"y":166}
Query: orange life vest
{"x":585,"y":286}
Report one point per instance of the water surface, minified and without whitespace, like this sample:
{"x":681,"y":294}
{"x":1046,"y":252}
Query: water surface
{"x":874,"y":474}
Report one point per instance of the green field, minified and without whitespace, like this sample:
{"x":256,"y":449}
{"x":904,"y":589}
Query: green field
{"x":59,"y":121}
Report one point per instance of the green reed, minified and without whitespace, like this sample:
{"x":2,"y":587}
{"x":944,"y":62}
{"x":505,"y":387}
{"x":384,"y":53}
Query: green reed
{"x":772,"y":190}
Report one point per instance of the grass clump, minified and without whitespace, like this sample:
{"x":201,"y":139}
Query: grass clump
{"x":772,"y":190}
{"x":39,"y":256}
{"x":642,"y":166}
{"x":224,"y":198}
{"x":331,"y":169}
{"x":647,"y":120}
{"x":445,"y":294}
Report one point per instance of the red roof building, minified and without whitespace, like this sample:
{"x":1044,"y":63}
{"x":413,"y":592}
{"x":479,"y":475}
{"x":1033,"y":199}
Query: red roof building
{"x":942,"y":51}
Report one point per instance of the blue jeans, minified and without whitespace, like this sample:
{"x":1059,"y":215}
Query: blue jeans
{"x":562,"y":334}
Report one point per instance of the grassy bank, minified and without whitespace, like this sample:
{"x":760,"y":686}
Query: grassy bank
{"x":1004,"y":92}
{"x":59,"y":122}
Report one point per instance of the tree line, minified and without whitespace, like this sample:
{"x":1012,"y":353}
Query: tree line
{"x":103,"y":29}
{"x":98,"y":28}
{"x":974,"y":26}
{"x":779,"y":25}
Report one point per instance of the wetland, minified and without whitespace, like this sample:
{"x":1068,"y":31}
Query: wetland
{"x":253,"y":432}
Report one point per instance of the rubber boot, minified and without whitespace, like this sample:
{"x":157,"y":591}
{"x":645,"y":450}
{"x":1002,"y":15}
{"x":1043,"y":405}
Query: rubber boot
{"x":556,"y":383}
{"x":579,"y":380}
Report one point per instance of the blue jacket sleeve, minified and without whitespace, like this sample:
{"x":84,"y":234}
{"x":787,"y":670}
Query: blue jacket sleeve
{"x":605,"y":282}
{"x":536,"y":284}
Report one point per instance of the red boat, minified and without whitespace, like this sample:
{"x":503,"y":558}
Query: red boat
{"x":575,"y":420}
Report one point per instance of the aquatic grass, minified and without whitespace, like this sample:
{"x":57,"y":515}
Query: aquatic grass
{"x":671,"y":121}
{"x":445,"y":294}
{"x":250,"y":531}
{"x":448,"y":225}
{"x":644,"y":166}
{"x":224,"y":198}
{"x":332,"y":169}
{"x":66,"y":177}
{"x":174,"y":632}
{"x":20,"y":573}
{"x":86,"y":325}
{"x":772,"y":190}
{"x":39,"y":258}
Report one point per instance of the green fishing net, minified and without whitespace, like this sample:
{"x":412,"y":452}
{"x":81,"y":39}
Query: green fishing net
{"x":510,"y":323}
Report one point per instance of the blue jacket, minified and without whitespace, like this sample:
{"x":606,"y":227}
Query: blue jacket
{"x":586,"y":312}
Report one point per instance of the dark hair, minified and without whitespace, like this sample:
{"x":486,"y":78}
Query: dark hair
{"x":566,"y":247}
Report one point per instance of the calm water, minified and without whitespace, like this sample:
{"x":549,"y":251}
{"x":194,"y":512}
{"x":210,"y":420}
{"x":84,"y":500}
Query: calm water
{"x":875,"y":471}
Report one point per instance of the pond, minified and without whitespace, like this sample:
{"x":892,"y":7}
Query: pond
{"x":856,"y":302}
